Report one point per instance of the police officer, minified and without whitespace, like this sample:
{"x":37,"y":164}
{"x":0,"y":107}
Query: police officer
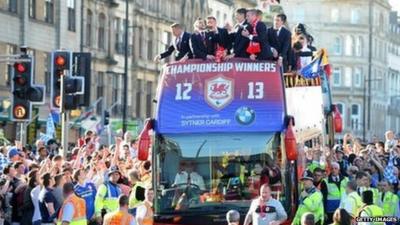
{"x":388,"y":201}
{"x":107,"y":195}
{"x":332,"y":189}
{"x":122,"y":216}
{"x":369,"y":209}
{"x":310,"y":200}
{"x":73,"y":211}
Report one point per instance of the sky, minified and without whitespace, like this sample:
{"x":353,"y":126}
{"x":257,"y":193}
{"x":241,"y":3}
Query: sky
{"x":395,"y":5}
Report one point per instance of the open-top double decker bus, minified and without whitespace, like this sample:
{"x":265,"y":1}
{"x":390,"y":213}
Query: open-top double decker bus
{"x":227,"y":125}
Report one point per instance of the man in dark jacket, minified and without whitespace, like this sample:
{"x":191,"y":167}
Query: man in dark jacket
{"x":259,"y":35}
{"x":203,"y":43}
{"x":239,"y":42}
{"x":280,"y":38}
{"x":180,"y":45}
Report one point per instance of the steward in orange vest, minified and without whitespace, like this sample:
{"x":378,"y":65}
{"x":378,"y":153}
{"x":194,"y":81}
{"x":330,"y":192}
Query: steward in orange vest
{"x":120,"y":217}
{"x":144,"y":213}
{"x":73,"y":210}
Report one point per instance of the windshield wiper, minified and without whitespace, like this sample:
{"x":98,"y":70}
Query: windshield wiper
{"x":201,"y":146}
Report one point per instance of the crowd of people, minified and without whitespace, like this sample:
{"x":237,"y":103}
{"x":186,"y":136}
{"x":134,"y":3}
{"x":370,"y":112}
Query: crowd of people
{"x":353,"y":183}
{"x":249,"y":38}
{"x":95,"y":184}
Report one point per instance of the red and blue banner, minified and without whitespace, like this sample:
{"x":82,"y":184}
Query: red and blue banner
{"x":234,"y":96}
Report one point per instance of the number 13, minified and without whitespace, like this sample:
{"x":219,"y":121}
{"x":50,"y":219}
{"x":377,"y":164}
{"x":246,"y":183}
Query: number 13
{"x":256,"y":90}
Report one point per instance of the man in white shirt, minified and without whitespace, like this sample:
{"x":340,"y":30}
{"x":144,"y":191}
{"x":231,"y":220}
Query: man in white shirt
{"x":189,"y":176}
{"x":265,"y":210}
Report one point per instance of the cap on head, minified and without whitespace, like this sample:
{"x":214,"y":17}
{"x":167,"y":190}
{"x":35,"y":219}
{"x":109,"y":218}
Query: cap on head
{"x":113,"y":170}
{"x":12,"y":152}
{"x":307,"y":175}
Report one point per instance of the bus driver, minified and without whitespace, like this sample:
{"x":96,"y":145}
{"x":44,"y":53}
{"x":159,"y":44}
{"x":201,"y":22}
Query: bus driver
{"x":187,"y":175}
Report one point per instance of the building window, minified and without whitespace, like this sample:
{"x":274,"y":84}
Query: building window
{"x":355,"y":16}
{"x":347,"y":77}
{"x":357,"y":77}
{"x":335,"y":15}
{"x":337,"y":46}
{"x":355,"y":117}
{"x":138,"y":98}
{"x":114,"y":93}
{"x":225,"y":20}
{"x":150,"y":39}
{"x":100,"y":91}
{"x":89,"y":21}
{"x":166,"y":41}
{"x":71,"y":15}
{"x":349,"y":45}
{"x":119,"y":48}
{"x":101,"y":32}
{"x":149,"y":100}
{"x":47,"y":74}
{"x":13,"y":6}
{"x":359,"y":46}
{"x":32,"y":9}
{"x":49,"y":11}
{"x":11,"y":50}
{"x":337,"y":77}
{"x":342,"y":110}
{"x":141,"y":43}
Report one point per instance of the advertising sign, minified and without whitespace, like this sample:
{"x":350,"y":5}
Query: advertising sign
{"x":234,"y":96}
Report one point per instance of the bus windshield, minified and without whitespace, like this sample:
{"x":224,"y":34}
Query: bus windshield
{"x":216,"y":172}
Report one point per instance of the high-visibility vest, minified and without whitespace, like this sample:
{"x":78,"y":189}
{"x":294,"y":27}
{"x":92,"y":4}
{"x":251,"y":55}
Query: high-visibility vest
{"x":389,"y":203}
{"x":312,"y":204}
{"x":107,"y":198}
{"x":79,"y":217}
{"x":118,"y":218}
{"x":373,"y":211}
{"x":375,"y":193}
{"x":335,"y":194}
{"x":133,"y":201}
{"x":148,"y":219}
{"x":356,"y":203}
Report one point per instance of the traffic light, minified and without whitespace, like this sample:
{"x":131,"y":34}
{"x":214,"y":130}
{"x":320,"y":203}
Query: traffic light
{"x":60,"y":61}
{"x":24,"y":92}
{"x":82,"y":68}
{"x":106,"y":118}
{"x":73,"y":88}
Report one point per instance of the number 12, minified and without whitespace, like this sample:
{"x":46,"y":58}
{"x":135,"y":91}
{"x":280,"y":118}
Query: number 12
{"x":183,"y":90}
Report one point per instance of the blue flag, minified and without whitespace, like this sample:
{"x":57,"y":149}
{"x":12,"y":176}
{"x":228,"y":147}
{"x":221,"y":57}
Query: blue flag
{"x":56,"y":116}
{"x":313,"y":69}
{"x":389,"y":170}
{"x":50,"y":128}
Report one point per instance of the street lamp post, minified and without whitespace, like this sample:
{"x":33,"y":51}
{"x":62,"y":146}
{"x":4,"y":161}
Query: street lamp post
{"x":125,"y":102}
{"x":365,"y":104}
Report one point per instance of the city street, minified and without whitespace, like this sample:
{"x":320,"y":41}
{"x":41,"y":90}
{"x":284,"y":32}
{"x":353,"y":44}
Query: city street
{"x":200,"y":112}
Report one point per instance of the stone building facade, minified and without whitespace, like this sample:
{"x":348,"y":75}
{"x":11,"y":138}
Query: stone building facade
{"x":97,"y":26}
{"x":343,"y":27}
